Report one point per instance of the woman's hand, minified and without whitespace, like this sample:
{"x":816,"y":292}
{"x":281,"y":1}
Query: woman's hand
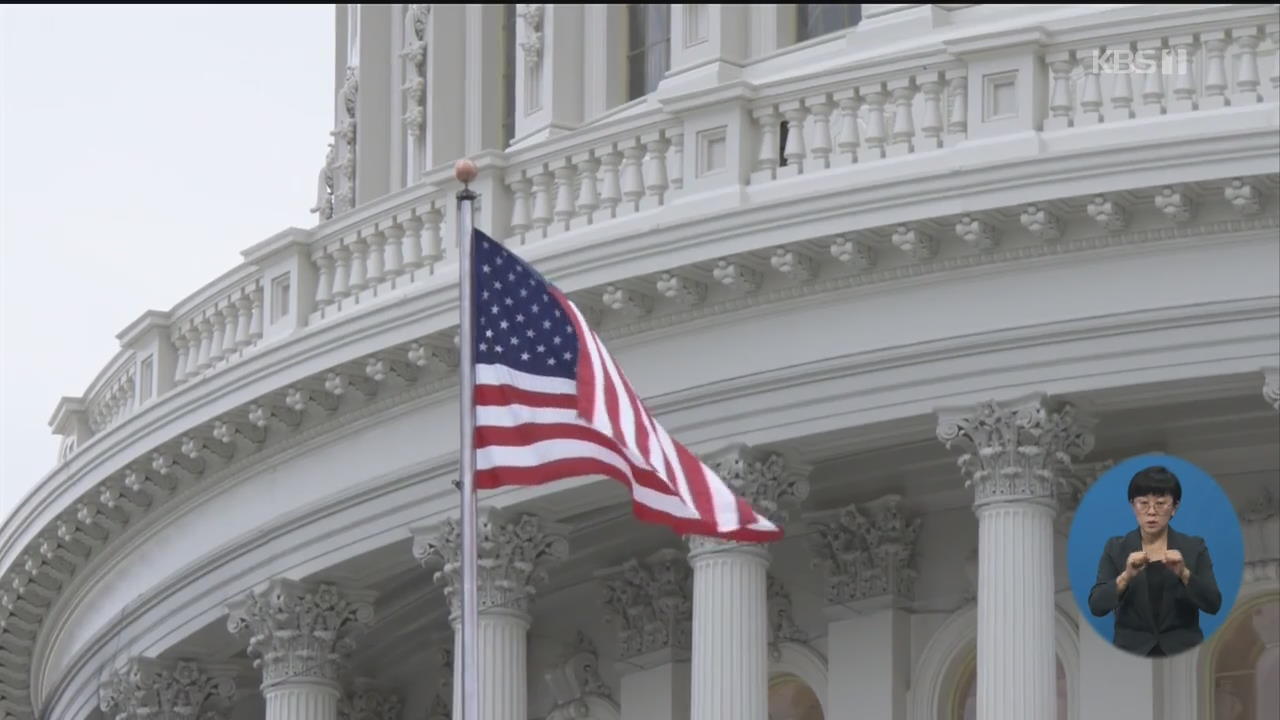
{"x":1173,"y":560}
{"x":1132,"y":566}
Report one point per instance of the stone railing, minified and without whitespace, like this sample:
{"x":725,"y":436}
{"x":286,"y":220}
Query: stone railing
{"x":636,"y":169}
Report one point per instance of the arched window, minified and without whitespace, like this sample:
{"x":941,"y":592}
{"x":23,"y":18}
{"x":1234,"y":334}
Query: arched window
{"x":791,"y":698}
{"x":964,"y":702}
{"x":648,"y":47}
{"x":817,"y":20}
{"x":1245,"y":664}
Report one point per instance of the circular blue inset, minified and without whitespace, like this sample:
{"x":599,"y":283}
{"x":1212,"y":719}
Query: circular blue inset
{"x":1204,"y":511}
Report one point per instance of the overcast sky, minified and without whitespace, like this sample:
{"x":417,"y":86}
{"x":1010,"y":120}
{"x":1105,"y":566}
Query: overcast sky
{"x":141,"y":149}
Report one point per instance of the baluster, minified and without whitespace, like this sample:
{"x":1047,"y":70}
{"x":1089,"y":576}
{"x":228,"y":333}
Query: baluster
{"x":904,"y":127}
{"x":846,"y":129}
{"x":588,"y":194}
{"x":193,"y":356}
{"x":376,"y":241}
{"x":875,"y":135}
{"x":1090,"y":91}
{"x":1060,"y":92}
{"x":255,"y":318}
{"x":541,"y":203}
{"x":244,"y":321}
{"x":341,"y":272}
{"x":324,"y":279}
{"x":1153,"y":79}
{"x":520,"y":206}
{"x":820,"y":118}
{"x":180,"y":369}
{"x":359,"y":265}
{"x":433,"y":247}
{"x":958,"y":106}
{"x":1215,"y":72}
{"x":1247,"y":76}
{"x":1184,"y":84}
{"x":1121,"y":90}
{"x":563,"y":212}
{"x":767,"y":120}
{"x":655,"y":170}
{"x":676,"y":171}
{"x":610,"y":184}
{"x":931,"y":85}
{"x":394,"y":250}
{"x":1273,"y":34}
{"x":412,"y":225}
{"x":632,"y":177}
{"x":794,"y":151}
{"x":206,"y":344}
{"x":229,"y":329}
{"x":217,"y":335}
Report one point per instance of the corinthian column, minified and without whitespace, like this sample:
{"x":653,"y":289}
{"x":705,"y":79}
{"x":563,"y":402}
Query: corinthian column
{"x":513,"y":558}
{"x":730,"y":595}
{"x":300,"y":636}
{"x":148,"y":688}
{"x":1015,"y":457}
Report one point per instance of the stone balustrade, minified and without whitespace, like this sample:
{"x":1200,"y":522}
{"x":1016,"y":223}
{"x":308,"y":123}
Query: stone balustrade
{"x":629,"y":172}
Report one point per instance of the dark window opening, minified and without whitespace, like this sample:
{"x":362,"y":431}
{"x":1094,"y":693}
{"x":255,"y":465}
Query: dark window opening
{"x":817,"y":20}
{"x":649,"y":47}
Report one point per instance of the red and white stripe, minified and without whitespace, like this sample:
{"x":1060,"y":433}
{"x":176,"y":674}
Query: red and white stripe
{"x":532,"y":429}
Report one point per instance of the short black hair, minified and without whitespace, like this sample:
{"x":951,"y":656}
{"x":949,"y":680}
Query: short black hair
{"x":1155,"y":480}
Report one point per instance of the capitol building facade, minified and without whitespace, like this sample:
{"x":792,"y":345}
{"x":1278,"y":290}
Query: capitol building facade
{"x":908,"y":276}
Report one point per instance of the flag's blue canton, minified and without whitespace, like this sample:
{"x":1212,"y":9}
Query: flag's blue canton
{"x":520,"y":324}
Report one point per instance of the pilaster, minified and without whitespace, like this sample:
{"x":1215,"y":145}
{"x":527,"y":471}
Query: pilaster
{"x":150,"y":689}
{"x":549,"y":83}
{"x":708,"y":47}
{"x":866,"y":552}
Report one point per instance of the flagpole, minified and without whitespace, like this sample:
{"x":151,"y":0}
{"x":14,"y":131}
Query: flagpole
{"x":465,"y":171}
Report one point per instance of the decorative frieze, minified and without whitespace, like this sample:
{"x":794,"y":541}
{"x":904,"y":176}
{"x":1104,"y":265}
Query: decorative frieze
{"x":1017,"y":450}
{"x":651,"y":603}
{"x":299,"y":631}
{"x":148,"y":689}
{"x":514,"y":555}
{"x":865,"y":551}
{"x":762,"y":479}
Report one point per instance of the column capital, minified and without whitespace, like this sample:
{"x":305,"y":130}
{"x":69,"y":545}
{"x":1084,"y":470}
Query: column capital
{"x":1271,"y":386}
{"x":651,"y":602}
{"x":300,"y":631}
{"x":764,"y":478}
{"x":514,"y":554}
{"x":149,"y":689}
{"x":1016,"y":450}
{"x":865,"y":552}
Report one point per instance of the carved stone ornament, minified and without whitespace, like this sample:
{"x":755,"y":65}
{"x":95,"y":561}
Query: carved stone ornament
{"x":762,"y":479}
{"x":513,"y":558}
{"x":1271,"y":386}
{"x":651,"y":603}
{"x":1075,"y":483}
{"x":532,"y":42}
{"x":147,"y":689}
{"x":782,"y":622}
{"x":417,"y":16}
{"x":366,"y":701}
{"x":300,"y":631}
{"x":1020,"y":450}
{"x":865,"y":551}
{"x":576,"y":680}
{"x":1260,"y":523}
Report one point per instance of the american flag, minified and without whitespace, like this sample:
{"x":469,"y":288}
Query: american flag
{"x":552,"y":404}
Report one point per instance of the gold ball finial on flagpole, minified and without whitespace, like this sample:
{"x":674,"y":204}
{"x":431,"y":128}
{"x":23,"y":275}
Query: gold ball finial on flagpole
{"x":465,"y":171}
